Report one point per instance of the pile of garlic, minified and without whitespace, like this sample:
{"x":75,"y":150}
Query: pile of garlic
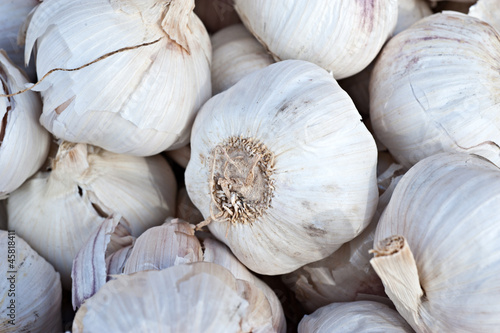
{"x":249,"y":165}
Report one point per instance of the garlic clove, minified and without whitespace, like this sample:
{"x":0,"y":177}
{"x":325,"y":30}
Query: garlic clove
{"x":487,"y":11}
{"x":33,"y":284}
{"x":205,"y":294}
{"x":296,"y":124}
{"x":143,"y":99}
{"x":361,"y":316}
{"x":24,"y":143}
{"x":56,"y":211}
{"x":236,"y":53}
{"x":342,"y":36}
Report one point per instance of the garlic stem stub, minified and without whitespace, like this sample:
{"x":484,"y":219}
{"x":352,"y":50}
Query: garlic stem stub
{"x":440,"y":264}
{"x":342,"y":36}
{"x":435,"y":88}
{"x":257,"y":150}
{"x":143,"y":71}
{"x":24,"y":143}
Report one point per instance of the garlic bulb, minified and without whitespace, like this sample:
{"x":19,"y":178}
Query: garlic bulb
{"x":24,"y":143}
{"x":487,"y":11}
{"x":198,"y":297}
{"x":236,"y":53}
{"x":440,"y":264}
{"x":186,"y":210}
{"x":13,"y":13}
{"x":435,"y":88}
{"x":141,"y":100}
{"x":256,"y":152}
{"x":56,"y":211}
{"x":409,"y":12}
{"x":216,"y":15}
{"x":180,"y":155}
{"x":354,"y":317}
{"x":30,"y":289}
{"x":342,"y":36}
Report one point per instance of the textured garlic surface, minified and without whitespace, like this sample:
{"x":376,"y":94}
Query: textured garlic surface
{"x":342,"y":36}
{"x":24,"y":143}
{"x":435,"y":88}
{"x":198,"y":297}
{"x":354,"y":317}
{"x":56,"y":211}
{"x":436,"y":245}
{"x":283,"y":167}
{"x":236,"y":53}
{"x":34,"y":286}
{"x":139,"y":101}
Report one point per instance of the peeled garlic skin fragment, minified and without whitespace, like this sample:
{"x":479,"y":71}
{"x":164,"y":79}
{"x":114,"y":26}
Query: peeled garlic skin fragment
{"x":435,"y":88}
{"x":354,"y":317}
{"x":454,"y":243}
{"x":324,"y":166}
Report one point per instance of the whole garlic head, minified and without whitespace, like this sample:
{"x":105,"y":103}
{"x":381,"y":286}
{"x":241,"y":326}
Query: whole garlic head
{"x":24,"y":143}
{"x":139,"y":101}
{"x":57,"y":210}
{"x":257,"y":150}
{"x":342,"y":36}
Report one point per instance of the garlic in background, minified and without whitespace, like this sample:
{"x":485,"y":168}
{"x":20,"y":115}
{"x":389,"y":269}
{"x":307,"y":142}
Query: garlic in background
{"x":435,"y":88}
{"x":197,"y":297}
{"x":13,"y":14}
{"x":236,"y":53}
{"x":354,"y":317}
{"x":180,"y":155}
{"x":24,"y":143}
{"x":282,"y":167}
{"x":436,"y":245}
{"x":56,"y":211}
{"x":35,"y":289}
{"x":487,"y":11}
{"x":186,"y":210}
{"x":342,"y":36}
{"x":138,"y":101}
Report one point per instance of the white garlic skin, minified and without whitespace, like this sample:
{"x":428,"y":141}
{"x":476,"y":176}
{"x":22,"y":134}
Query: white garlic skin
{"x":236,"y":53}
{"x":342,"y":36}
{"x":298,"y":111}
{"x":435,"y":88}
{"x":141,"y":101}
{"x":487,"y":11}
{"x":24,"y":142}
{"x":454,"y":242}
{"x":354,"y":317}
{"x":36,"y":289}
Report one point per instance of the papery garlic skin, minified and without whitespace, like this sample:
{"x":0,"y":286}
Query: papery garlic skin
{"x":342,"y":36}
{"x":140,"y":101}
{"x":56,"y":211}
{"x":440,"y":265}
{"x":24,"y":143}
{"x":487,"y":11}
{"x":199,"y":297}
{"x":354,"y":317}
{"x":435,"y":88}
{"x":13,"y":13}
{"x":299,"y":124}
{"x":33,"y":284}
{"x":236,"y":53}
{"x":409,"y":12}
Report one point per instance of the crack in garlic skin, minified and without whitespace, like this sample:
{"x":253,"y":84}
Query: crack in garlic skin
{"x":241,"y":183}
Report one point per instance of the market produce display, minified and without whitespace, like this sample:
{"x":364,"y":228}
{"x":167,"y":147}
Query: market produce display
{"x":249,"y":166}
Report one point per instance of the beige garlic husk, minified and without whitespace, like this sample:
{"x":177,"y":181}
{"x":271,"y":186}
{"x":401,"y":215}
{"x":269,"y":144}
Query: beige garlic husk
{"x":30,"y":289}
{"x":282,"y":168}
{"x":435,"y":88}
{"x":236,"y":53}
{"x":197,"y":297}
{"x":13,"y":14}
{"x":487,"y":11}
{"x":143,"y":99}
{"x":216,"y":15}
{"x":24,"y":143}
{"x":344,"y":276}
{"x":342,"y":36}
{"x":354,"y":317}
{"x":171,"y":244}
{"x":436,"y":245}
{"x":55,"y":211}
